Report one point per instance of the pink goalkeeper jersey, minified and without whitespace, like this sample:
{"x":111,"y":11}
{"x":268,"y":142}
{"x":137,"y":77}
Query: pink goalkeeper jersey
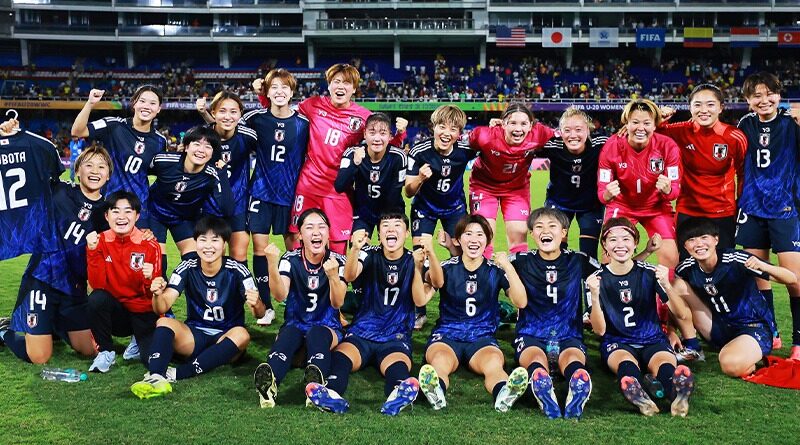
{"x":331,"y":131}
{"x":501,"y":168}
{"x":638,"y":172}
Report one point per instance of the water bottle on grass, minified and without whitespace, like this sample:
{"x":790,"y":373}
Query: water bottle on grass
{"x":63,"y":375}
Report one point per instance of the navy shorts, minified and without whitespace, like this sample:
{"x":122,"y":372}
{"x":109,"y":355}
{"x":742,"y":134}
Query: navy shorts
{"x":642,"y":353}
{"x":590,"y":222}
{"x":237,"y":222}
{"x":524,"y":342}
{"x":375,"y":352}
{"x":722,"y":333}
{"x":43,"y":310}
{"x":360,"y":223}
{"x":264,"y":218}
{"x":182,"y":230}
{"x":782,"y":235}
{"x":464,"y":350}
{"x":424,"y":224}
{"x":204,"y":339}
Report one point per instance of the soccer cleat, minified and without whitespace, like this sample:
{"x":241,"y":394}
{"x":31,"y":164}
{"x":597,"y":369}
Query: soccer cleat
{"x":325,"y":399}
{"x":169,"y":375}
{"x":687,"y":355}
{"x":515,"y":386}
{"x":267,"y":389}
{"x":5,"y":325}
{"x":683,"y":383}
{"x":542,"y":388}
{"x":429,"y":384}
{"x":313,"y":374}
{"x":633,"y":392}
{"x":154,"y":385}
{"x":103,"y":361}
{"x":580,"y":388}
{"x":653,"y":386}
{"x":419,"y":321}
{"x":795,"y":353}
{"x":587,"y":321}
{"x":403,"y":396}
{"x":132,"y":351}
{"x":777,"y":343}
{"x":267,"y":319}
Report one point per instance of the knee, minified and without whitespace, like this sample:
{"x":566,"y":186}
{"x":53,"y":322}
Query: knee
{"x":239,"y":336}
{"x":732,"y":367}
{"x":38,"y":356}
{"x":167,"y":323}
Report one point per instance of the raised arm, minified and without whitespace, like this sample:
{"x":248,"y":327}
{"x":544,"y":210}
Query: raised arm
{"x":80,"y":127}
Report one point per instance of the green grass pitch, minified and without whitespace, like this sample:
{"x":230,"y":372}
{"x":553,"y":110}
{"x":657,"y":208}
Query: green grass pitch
{"x":222,"y":407}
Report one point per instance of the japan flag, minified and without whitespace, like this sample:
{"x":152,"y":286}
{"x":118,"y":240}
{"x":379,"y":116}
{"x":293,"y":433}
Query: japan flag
{"x":556,"y":37}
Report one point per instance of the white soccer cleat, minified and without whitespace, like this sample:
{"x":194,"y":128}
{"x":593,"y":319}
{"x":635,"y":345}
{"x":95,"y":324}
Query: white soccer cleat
{"x":429,"y":385}
{"x":267,"y":319}
{"x":515,"y":386}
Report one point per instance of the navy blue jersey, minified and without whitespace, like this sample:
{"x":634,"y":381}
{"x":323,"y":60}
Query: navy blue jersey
{"x":730,"y":289}
{"x":213,"y":303}
{"x":279,"y":157}
{"x":770,"y":166}
{"x":131,"y":153}
{"x":235,"y":152}
{"x":573,"y":178}
{"x":629,"y":305}
{"x":179,"y":196}
{"x":468,"y":301}
{"x":309,"y":300}
{"x":378,"y":187}
{"x":28,"y":163}
{"x":443,"y":193}
{"x":387,"y":308}
{"x":75,"y":216}
{"x":555,"y":293}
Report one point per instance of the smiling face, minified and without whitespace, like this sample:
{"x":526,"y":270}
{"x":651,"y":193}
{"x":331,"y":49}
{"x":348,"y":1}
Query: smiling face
{"x":620,"y":244}
{"x":574,"y":133}
{"x":227,"y":114}
{"x":517,"y":126}
{"x":146,"y":107}
{"x":445,"y":135}
{"x":548,"y":233}
{"x":122,"y":218}
{"x":473,"y":241}
{"x":279,"y":92}
{"x":701,"y":247}
{"x":641,"y":126}
{"x":93,"y":173}
{"x":314,"y":233}
{"x":198,"y":153}
{"x":705,"y":108}
{"x":210,"y":246}
{"x":764,"y":102}
{"x":341,"y":90}
{"x":392,"y":234}
{"x":377,"y":136}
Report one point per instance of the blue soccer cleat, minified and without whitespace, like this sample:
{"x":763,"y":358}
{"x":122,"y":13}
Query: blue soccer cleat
{"x":403,"y":395}
{"x":683,"y":383}
{"x":326,"y":399}
{"x":542,"y":387}
{"x":580,"y":388}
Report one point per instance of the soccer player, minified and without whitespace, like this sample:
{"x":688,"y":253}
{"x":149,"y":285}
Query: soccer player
{"x":435,"y":177}
{"x":236,"y":143}
{"x":501,"y":174}
{"x":712,"y":155}
{"x":184,"y":183}
{"x":282,"y":139}
{"x":121,"y":266}
{"x":767,"y":207}
{"x":719,"y":286}
{"x":624,"y":315}
{"x":550,"y":324}
{"x":469,"y":286}
{"x":132,"y":142}
{"x":53,"y":295}
{"x":390,"y":280}
{"x":217,"y":288}
{"x":375,"y":173}
{"x":310,"y":280}
{"x":573,"y":176}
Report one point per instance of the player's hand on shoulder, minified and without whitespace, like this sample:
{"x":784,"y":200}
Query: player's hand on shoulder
{"x":158,"y":285}
{"x":147,"y":270}
{"x":667,"y":112}
{"x":358,"y":155}
{"x":257,"y":84}
{"x":95,"y":95}
{"x":425,"y":172}
{"x":272,"y":252}
{"x":220,"y":164}
{"x":148,"y":235}
{"x":251,"y":297}
{"x":359,"y":239}
{"x":331,"y":267}
{"x":92,"y":240}
{"x":400,"y":123}
{"x":663,"y":184}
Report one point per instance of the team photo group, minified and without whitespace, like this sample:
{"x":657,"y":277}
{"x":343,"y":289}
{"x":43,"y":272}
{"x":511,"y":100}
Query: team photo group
{"x":329,"y":180}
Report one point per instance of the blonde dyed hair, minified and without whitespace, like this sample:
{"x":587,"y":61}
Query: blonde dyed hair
{"x":348,"y":72}
{"x":571,"y":112}
{"x":449,"y":115}
{"x":646,"y":105}
{"x":282,"y":74}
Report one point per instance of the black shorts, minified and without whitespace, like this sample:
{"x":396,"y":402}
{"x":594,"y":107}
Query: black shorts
{"x":722,"y":333}
{"x":43,"y":310}
{"x":424,"y":224}
{"x":523,"y":342}
{"x":180,"y":231}
{"x":642,"y":353}
{"x":464,"y":350}
{"x":782,"y":235}
{"x":264,"y":218}
{"x":237,"y":222}
{"x":360,"y":223}
{"x":590,"y":222}
{"x":373,"y":352}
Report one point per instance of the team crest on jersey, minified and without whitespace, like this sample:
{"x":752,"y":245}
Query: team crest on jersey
{"x":279,"y":135}
{"x":374,"y":175}
{"x":355,"y":123}
{"x":138,"y":147}
{"x":212,"y":295}
{"x":445,"y":170}
{"x":710,"y":289}
{"x":313,"y":282}
{"x":472,"y":287}
{"x":180,"y":186}
{"x":84,"y":214}
{"x":226,"y":157}
{"x":656,"y":165}
{"x":576,"y":168}
{"x":551,"y":276}
{"x":33,"y":320}
{"x":625,"y":296}
{"x":391,"y":278}
{"x":763,"y":139}
{"x":137,"y":261}
{"x":720,"y":151}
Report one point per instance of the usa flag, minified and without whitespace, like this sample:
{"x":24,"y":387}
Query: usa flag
{"x":510,"y":37}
